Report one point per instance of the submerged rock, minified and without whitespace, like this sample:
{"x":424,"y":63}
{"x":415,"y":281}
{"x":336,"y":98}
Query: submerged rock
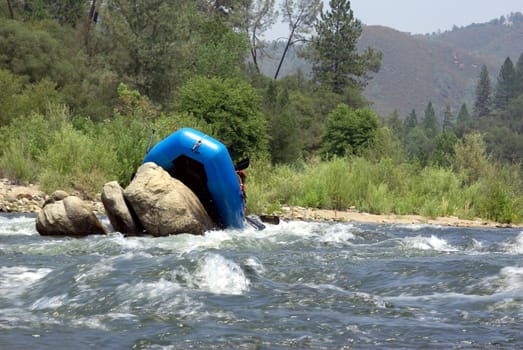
{"x":117,"y":211}
{"x":68,"y":216}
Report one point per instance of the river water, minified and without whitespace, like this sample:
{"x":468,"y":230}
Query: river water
{"x":294,"y":285}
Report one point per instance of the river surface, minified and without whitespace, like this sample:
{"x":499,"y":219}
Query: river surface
{"x":295,"y":285}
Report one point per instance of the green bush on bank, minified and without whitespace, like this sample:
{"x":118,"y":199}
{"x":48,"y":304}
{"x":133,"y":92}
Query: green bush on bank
{"x":76,"y":162}
{"x":25,"y":140}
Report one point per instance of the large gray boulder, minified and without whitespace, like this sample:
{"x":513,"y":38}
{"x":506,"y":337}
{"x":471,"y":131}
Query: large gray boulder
{"x":164,"y":205}
{"x":117,"y":210}
{"x":68,"y":216}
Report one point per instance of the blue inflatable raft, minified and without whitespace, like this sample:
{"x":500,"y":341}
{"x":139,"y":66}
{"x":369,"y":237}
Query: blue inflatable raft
{"x":204,"y":165}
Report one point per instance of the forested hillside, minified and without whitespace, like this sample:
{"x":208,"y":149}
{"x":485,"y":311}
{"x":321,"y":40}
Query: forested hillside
{"x":441,"y":67}
{"x":380,"y":120}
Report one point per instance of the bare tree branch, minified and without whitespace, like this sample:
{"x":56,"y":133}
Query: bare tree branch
{"x":300,"y":16}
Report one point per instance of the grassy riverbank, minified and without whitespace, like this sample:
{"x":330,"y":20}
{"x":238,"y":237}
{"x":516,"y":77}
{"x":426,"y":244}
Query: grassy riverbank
{"x":29,"y":199}
{"x":350,"y":186}
{"x":382,"y":187}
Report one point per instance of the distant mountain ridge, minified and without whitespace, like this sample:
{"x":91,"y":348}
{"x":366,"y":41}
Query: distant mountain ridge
{"x":442,"y":68}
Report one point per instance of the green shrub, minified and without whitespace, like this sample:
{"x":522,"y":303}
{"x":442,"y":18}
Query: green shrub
{"x":438,"y":192}
{"x":314,"y":193}
{"x":26,"y":139}
{"x":378,"y":199}
{"x":17,"y":164}
{"x":471,"y":160}
{"x":268,"y":186}
{"x":75,"y":162}
{"x":338,"y":184}
{"x":232,"y":108}
{"x":11,"y":87}
{"x":21,"y":100}
{"x":500,"y":197}
{"x":406,"y":204}
{"x":349,"y":131}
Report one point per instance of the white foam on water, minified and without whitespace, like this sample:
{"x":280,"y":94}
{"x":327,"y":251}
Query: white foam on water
{"x":153,"y":291}
{"x":363,"y":297}
{"x":255,"y":265}
{"x":95,"y":322}
{"x":92,"y":274}
{"x":338,"y":234}
{"x":433,"y":243}
{"x":18,"y":225}
{"x":9,"y":317}
{"x":513,"y":277}
{"x":129,"y":243}
{"x":15,"y":280}
{"x":418,"y":227}
{"x":219,"y":275}
{"x":185,"y":243}
{"x":477,"y":246}
{"x":162,"y":297}
{"x":215,"y":239}
{"x":509,"y":279}
{"x":49,"y":302}
{"x":438,"y":298}
{"x":514,"y":246}
{"x":100,"y":321}
{"x":290,"y":231}
{"x":373,"y":300}
{"x":505,"y":292}
{"x":298,"y":228}
{"x":120,"y":316}
{"x":16,"y":318}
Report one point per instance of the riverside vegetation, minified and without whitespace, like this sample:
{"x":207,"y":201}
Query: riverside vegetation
{"x":81,"y":157}
{"x":76,"y":114}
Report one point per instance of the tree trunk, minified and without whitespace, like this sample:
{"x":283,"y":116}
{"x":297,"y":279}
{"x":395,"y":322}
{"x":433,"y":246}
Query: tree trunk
{"x":92,"y":18}
{"x":287,"y":46}
{"x":254,"y":52}
{"x":10,"y":7}
{"x":92,"y":12}
{"x":254,"y":56}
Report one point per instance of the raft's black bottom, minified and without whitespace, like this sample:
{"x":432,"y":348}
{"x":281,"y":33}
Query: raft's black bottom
{"x":192,"y":174}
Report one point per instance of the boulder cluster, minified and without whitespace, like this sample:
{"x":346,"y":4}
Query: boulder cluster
{"x":153,"y":204}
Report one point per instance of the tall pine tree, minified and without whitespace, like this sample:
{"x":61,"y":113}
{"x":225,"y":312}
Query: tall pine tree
{"x":448,"y":119}
{"x":462,"y":121}
{"x":431,"y":124}
{"x":519,"y":76}
{"x":410,"y":122}
{"x":482,"y":103}
{"x":463,"y":115}
{"x":507,"y":86}
{"x":336,"y":61}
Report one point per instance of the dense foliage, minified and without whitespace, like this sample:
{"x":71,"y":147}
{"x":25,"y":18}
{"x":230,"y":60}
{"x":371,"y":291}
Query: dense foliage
{"x":231,"y":109}
{"x":348,"y":132}
{"x":86,"y":87}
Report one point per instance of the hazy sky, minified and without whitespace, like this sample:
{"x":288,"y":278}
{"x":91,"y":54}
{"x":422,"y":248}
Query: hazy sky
{"x":427,"y":16}
{"x":422,"y":16}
